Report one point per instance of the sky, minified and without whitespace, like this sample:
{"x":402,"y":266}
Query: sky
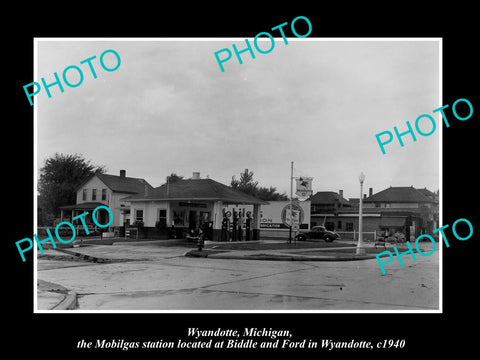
{"x":169,"y":108}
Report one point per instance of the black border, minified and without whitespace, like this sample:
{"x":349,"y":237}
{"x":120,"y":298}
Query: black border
{"x":429,"y":334}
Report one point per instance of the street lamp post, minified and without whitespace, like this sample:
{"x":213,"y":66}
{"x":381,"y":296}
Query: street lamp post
{"x":360,"y":249}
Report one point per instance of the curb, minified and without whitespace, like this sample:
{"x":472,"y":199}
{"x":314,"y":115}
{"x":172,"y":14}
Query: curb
{"x":84,"y":257}
{"x":69,"y":302}
{"x":279,"y":257}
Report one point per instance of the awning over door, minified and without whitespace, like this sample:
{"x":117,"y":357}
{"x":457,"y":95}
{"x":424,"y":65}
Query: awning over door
{"x":393,"y":222}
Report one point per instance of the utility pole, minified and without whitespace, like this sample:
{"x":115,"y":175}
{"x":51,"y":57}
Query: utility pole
{"x":360,"y":249}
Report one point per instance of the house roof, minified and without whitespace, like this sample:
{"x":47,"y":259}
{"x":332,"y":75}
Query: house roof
{"x":400,"y":194}
{"x":196,"y":189}
{"x":428,"y":193}
{"x":327,"y":198}
{"x":121,"y":184}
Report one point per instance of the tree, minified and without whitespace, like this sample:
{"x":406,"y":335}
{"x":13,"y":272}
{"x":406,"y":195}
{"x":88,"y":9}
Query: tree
{"x":247,"y":185}
{"x":59,"y":177}
{"x":270,"y":194}
{"x":173,"y":177}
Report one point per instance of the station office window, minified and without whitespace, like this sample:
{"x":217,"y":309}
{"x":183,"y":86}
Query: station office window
{"x":162,"y":218}
{"x":94,"y":194}
{"x":138,"y":215}
{"x":104,"y":194}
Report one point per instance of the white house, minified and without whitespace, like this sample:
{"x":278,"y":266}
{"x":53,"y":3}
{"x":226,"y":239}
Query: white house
{"x":104,"y":189}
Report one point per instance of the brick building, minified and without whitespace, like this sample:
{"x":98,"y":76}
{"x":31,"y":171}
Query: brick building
{"x":402,"y":212}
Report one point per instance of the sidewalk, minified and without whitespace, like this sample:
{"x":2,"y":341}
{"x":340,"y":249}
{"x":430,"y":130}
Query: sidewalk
{"x":333,"y":253}
{"x":52,"y":296}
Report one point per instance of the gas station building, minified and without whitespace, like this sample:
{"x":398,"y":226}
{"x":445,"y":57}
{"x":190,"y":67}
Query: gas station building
{"x":184,"y":205}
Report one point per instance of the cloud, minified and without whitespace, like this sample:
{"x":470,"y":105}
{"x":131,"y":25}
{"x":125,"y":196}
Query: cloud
{"x":169,"y":108}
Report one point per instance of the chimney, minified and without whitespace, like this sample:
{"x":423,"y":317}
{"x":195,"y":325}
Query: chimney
{"x":364,"y":196}
{"x":146,"y":189}
{"x":340,"y":192}
{"x":370,"y":191}
{"x":196,"y":175}
{"x":123,"y":173}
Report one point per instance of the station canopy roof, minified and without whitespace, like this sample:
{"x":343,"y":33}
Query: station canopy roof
{"x":196,"y":190}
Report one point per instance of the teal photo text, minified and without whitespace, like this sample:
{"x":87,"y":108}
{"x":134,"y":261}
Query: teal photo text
{"x":73,"y":76}
{"x":225,"y":54}
{"x":425,"y":124}
{"x":466,"y":224}
{"x":29,"y":243}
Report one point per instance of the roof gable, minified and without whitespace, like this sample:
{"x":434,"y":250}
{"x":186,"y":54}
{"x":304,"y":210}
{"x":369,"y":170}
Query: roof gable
{"x":121,"y":184}
{"x":400,"y":194}
{"x":196,"y":189}
{"x":124,"y":184}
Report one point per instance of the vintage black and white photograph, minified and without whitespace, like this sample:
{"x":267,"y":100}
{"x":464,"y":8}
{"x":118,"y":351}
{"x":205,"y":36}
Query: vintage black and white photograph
{"x":238,"y":175}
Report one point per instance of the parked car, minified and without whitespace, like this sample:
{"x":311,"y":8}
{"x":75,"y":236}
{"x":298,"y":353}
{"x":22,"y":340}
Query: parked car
{"x":318,"y":232}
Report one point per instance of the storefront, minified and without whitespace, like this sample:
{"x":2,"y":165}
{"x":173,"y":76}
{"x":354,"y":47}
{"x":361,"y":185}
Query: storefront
{"x":172,"y":210}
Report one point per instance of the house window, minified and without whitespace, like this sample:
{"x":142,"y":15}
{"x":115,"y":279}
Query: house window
{"x":94,"y":194}
{"x":84,"y":195}
{"x":104,"y":194}
{"x":162,"y":218}
{"x":349,"y":226}
{"x":138,"y":215}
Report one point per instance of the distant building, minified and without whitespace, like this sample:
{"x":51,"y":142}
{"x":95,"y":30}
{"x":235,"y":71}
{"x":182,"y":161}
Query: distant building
{"x":405,"y":208}
{"x":328,"y":201}
{"x":402,"y":211}
{"x":325,"y":206}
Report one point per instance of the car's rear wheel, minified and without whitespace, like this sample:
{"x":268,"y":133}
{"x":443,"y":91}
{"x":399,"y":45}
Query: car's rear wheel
{"x":328,"y":238}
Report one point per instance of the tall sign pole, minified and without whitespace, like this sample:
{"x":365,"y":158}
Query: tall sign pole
{"x":291,"y":207}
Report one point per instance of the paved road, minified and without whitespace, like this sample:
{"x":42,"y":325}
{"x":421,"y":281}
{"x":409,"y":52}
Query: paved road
{"x":161,"y":278}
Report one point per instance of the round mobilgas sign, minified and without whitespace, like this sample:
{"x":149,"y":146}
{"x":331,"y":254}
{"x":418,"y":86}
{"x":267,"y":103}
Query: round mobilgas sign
{"x":298,"y":214}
